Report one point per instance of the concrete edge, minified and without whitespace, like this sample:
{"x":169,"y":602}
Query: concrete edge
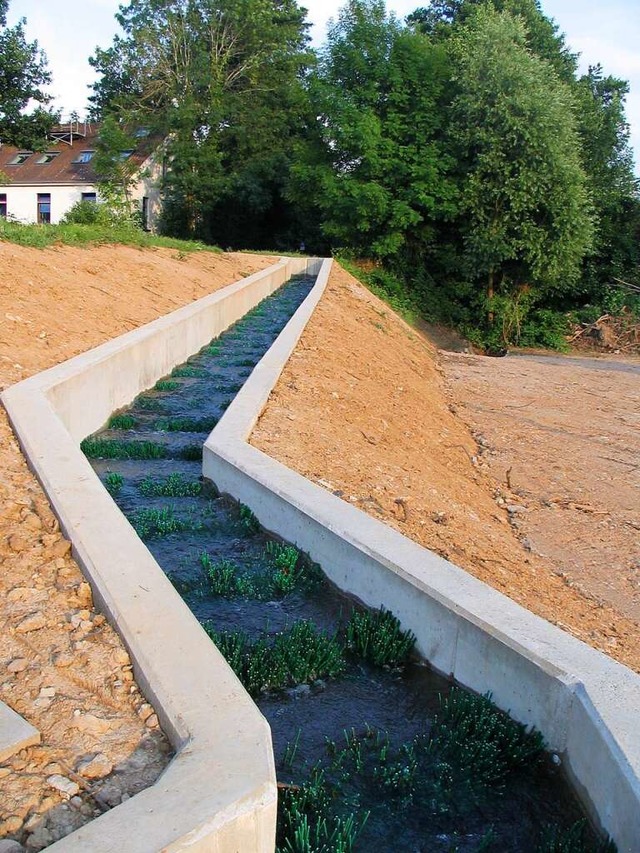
{"x":15,"y":733}
{"x":215,"y":727}
{"x":543,"y":676}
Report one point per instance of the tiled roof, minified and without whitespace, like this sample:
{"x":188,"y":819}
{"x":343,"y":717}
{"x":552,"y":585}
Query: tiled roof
{"x":64,"y":168}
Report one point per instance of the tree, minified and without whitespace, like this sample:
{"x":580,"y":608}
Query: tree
{"x":376,"y":166}
{"x":221,"y":80}
{"x":608,"y":162}
{"x":23,"y":72}
{"x":525,"y":209}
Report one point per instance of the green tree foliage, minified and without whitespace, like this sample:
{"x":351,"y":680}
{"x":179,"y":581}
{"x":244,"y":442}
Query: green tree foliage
{"x":222,"y":81}
{"x":525,"y":209}
{"x":608,"y":161}
{"x":23,"y":72}
{"x":376,"y":168}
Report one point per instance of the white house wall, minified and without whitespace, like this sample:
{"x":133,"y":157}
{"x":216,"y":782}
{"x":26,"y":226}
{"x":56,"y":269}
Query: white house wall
{"x":22,"y":202}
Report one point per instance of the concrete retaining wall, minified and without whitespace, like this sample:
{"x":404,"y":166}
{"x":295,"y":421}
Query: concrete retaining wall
{"x":586,"y":705}
{"x":219,"y":793}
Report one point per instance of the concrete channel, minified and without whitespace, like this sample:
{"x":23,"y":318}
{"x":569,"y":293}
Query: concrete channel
{"x":585,"y":704}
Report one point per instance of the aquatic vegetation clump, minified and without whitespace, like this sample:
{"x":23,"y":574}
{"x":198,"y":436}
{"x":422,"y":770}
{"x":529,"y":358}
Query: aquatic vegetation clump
{"x":111,"y":448}
{"x":298,"y":655}
{"x":166,"y":385}
{"x":150,"y":523}
{"x":286,"y":563}
{"x":121,"y":422}
{"x":188,"y":371}
{"x":185,"y":424}
{"x":377,"y":637}
{"x":472,"y":733}
{"x":225,"y":579}
{"x":171,"y":486}
{"x":113,"y":482}
{"x":248,"y":520}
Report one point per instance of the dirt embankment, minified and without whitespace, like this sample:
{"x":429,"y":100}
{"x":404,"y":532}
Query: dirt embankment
{"x":366,"y":409}
{"x":62,"y":667}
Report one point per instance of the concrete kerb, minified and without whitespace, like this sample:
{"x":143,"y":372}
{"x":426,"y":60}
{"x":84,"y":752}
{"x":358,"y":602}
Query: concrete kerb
{"x":219,"y":793}
{"x":585,"y":704}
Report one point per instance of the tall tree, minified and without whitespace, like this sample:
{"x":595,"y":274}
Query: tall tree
{"x":526,"y":216}
{"x":222,"y":81}
{"x":376,"y":168}
{"x":23,"y":73}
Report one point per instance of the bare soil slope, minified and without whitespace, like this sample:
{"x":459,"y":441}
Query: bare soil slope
{"x":365,"y":409}
{"x":61,"y":666}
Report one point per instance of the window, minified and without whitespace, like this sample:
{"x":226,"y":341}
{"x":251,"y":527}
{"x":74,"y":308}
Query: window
{"x":141,"y":132}
{"x":125,"y":154}
{"x":89,"y":197}
{"x":3,"y":205}
{"x":145,"y":212}
{"x":19,"y":159}
{"x":44,"y":208}
{"x":84,"y":157}
{"x":48,"y":157}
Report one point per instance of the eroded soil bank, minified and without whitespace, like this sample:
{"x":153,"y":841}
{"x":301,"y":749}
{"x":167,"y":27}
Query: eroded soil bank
{"x":368,"y":409}
{"x":63,"y":668}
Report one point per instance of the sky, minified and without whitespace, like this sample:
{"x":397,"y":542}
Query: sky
{"x":608,"y":33}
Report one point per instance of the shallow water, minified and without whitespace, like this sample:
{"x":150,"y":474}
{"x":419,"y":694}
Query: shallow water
{"x":364,"y":698}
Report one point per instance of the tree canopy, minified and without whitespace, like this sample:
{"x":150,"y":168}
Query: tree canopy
{"x":23,"y":73}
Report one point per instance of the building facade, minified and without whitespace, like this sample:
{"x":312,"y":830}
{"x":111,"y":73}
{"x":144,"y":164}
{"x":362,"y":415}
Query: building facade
{"x":41,"y":187}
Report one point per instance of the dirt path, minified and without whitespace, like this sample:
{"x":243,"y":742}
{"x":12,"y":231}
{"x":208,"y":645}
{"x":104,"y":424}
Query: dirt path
{"x":367,"y":409}
{"x":62,"y":667}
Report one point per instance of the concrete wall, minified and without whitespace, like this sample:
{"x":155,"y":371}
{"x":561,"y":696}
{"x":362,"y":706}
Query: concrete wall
{"x":586,"y":705}
{"x":219,"y":793}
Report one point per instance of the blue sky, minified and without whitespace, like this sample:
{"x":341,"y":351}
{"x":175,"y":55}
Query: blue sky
{"x":608,"y":33}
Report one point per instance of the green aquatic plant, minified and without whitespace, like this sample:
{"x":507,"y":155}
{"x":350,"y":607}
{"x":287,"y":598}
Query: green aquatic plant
{"x":150,"y":523}
{"x":225,"y":579}
{"x":189,"y":371}
{"x":191,"y":453}
{"x":111,"y":448}
{"x":470,"y":732}
{"x":172,"y":486}
{"x":113,"y":482}
{"x":248,"y":520}
{"x":166,"y":385}
{"x":121,"y":422}
{"x":286,"y":566}
{"x":298,"y":655}
{"x":149,"y":404}
{"x":556,"y":839}
{"x":184,"y":424}
{"x":377,"y":637}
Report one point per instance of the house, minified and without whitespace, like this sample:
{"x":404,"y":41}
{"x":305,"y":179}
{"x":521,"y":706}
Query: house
{"x":42,"y":186}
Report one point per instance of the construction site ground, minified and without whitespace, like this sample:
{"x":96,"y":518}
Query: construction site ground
{"x":523,"y":471}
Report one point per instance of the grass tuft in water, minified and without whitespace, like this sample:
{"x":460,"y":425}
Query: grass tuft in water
{"x":473,"y":734}
{"x":113,"y":482}
{"x":155,"y":523}
{"x":171,"y":486}
{"x":111,"y":448}
{"x":248,"y":520}
{"x":149,"y":404}
{"x":166,"y":385}
{"x":224,"y":578}
{"x":555,"y":839}
{"x":286,"y":571}
{"x":189,"y":371}
{"x":121,"y":422}
{"x":299,"y":655}
{"x":377,"y":637}
{"x":191,"y":453}
{"x":186,"y":424}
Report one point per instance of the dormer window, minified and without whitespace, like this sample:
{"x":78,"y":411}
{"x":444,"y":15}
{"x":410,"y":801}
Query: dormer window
{"x":84,"y":156}
{"x":47,"y":157}
{"x":20,"y":158}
